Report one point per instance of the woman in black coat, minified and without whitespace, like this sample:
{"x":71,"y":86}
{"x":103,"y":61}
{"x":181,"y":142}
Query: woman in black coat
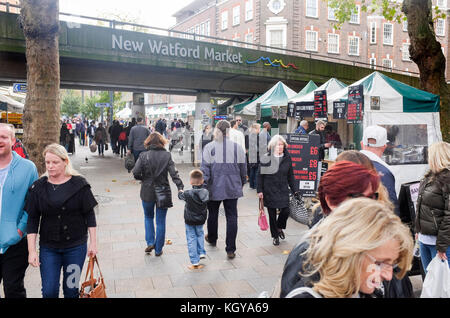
{"x":275,"y":178}
{"x":153,"y":167}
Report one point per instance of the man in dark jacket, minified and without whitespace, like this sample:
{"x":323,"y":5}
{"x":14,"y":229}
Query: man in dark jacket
{"x":138,"y":134}
{"x":195,"y":213}
{"x":320,"y":127}
{"x":115,"y":132}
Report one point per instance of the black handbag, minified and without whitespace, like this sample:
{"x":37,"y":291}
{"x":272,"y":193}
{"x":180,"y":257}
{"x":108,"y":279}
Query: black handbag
{"x":163,"y":196}
{"x":298,"y":211}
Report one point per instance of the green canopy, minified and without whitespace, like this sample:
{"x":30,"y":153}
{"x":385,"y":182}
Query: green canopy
{"x":311,"y":86}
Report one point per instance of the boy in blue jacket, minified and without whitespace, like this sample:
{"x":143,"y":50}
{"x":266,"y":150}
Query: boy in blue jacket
{"x":195,"y":213}
{"x":16,"y":176}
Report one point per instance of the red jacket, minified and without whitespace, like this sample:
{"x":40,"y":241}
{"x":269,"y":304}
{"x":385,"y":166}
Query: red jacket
{"x":20,"y":149}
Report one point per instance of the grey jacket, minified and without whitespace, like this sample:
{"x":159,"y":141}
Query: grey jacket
{"x":224,"y":169}
{"x":157,"y":162}
{"x":137,"y":136}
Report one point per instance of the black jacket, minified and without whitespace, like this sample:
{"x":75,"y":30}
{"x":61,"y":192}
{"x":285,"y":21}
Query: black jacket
{"x":275,"y":183}
{"x":61,"y":226}
{"x":152,"y":168}
{"x":433,"y":208}
{"x":195,"y":210}
{"x":322,"y":142}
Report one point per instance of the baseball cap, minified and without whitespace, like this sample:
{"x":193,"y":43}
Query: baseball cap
{"x":375,"y":132}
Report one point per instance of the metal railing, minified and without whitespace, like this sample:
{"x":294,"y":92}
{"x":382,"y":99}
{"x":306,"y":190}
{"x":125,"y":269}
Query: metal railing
{"x":74,"y":19}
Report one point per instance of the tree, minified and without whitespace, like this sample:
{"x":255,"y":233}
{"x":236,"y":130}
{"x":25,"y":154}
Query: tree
{"x":71,"y":104}
{"x":89,"y":110}
{"x":424,"y":50}
{"x":41,"y":118}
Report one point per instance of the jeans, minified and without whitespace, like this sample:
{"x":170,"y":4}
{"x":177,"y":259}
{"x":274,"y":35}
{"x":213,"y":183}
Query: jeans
{"x":428,"y":252}
{"x":195,"y":242}
{"x":13,"y":264}
{"x":136,"y":154}
{"x":230,"y":206}
{"x":253,"y":176}
{"x":71,"y":260}
{"x":149,"y":213}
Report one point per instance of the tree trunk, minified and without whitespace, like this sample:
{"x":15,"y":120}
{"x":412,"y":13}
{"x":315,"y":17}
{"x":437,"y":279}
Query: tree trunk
{"x":426,"y":52}
{"x":41,"y":118}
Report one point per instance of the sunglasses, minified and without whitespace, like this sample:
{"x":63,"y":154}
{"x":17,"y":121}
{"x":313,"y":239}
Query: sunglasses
{"x":359,"y":195}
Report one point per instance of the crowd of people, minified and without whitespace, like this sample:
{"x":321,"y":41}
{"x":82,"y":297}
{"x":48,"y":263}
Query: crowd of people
{"x":357,"y":245}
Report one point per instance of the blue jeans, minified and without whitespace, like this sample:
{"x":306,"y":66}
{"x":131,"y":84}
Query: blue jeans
{"x":253,"y":177}
{"x":195,"y":242}
{"x":149,"y":213}
{"x":71,"y":260}
{"x":428,"y":252}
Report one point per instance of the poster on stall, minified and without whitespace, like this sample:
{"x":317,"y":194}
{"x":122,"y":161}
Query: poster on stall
{"x":283,"y":112}
{"x":320,"y":104}
{"x":339,"y":110}
{"x":304,"y":109}
{"x":304,"y":151}
{"x":355,"y":105}
{"x":291,"y":110}
{"x":275,"y":114}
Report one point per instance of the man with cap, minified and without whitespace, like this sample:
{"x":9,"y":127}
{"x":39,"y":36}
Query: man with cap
{"x":373,"y":145}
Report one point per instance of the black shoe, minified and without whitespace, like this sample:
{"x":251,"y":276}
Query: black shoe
{"x":276,"y":241}
{"x":231,"y":255}
{"x":281,"y":235}
{"x":207,"y":240}
{"x":149,"y":249}
{"x":159,"y":254}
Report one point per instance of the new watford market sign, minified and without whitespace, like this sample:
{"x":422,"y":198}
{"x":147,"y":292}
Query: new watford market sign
{"x":176,"y":50}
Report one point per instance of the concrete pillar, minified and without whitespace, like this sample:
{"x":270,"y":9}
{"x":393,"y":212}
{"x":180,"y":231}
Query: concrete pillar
{"x":202,"y":117}
{"x":138,"y":107}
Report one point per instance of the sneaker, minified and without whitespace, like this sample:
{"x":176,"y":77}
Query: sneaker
{"x":197,"y":266}
{"x":231,"y":255}
{"x":202,"y":256}
{"x":207,"y":240}
{"x":149,"y":249}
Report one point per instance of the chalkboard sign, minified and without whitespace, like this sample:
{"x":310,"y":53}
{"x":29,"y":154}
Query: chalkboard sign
{"x":355,"y":105}
{"x":339,"y":110}
{"x":291,"y":110}
{"x":304,"y":151}
{"x":304,"y":109}
{"x":320,"y":104}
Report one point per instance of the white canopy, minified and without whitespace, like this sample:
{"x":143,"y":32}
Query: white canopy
{"x":331,"y":86}
{"x":13,"y":105}
{"x":124,"y":113}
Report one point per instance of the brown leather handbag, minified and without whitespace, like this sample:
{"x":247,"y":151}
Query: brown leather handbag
{"x":93,"y":287}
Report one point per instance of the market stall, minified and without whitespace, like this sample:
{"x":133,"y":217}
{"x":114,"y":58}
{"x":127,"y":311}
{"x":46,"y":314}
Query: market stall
{"x":410,"y":115}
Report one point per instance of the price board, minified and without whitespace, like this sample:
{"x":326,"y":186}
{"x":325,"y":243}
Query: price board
{"x":355,"y":104}
{"x":304,"y":151}
{"x":339,"y":110}
{"x":320,"y":104}
{"x":291,"y":110}
{"x":304,"y":109}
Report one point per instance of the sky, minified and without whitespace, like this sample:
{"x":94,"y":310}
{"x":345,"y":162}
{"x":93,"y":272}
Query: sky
{"x":156,"y":13}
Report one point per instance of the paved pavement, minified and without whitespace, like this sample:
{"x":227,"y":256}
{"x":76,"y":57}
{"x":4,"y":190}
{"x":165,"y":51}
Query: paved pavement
{"x":130,"y":273}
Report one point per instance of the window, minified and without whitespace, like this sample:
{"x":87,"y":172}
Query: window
{"x":373,"y":32}
{"x":440,"y":27}
{"x":388,"y":38}
{"x":236,"y":37}
{"x":276,"y":38}
{"x":311,"y":41}
{"x":387,"y":64}
{"x":311,"y":8}
{"x":208,"y":28}
{"x":331,"y":14}
{"x":333,"y":43}
{"x":249,"y":39}
{"x":373,"y":63}
{"x":248,"y":10}
{"x":224,"y":20}
{"x":405,"y":52}
{"x":405,"y":25}
{"x":353,"y":45}
{"x":354,"y":18}
{"x":236,"y":15}
{"x":441,"y":4}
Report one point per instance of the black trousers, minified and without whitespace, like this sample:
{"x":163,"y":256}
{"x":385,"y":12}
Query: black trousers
{"x":277,"y":222}
{"x":230,"y":206}
{"x":13,"y":264}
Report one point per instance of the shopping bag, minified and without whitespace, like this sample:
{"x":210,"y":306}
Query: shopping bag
{"x":298,"y":211}
{"x":262,"y":219}
{"x":93,"y":146}
{"x":129,"y":162}
{"x":437,"y":280}
{"x":93,"y":287}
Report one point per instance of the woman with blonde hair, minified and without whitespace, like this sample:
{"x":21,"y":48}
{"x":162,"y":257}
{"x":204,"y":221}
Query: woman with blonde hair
{"x":61,"y":205}
{"x":353,"y":250}
{"x":433,"y":206}
{"x":152,"y":168}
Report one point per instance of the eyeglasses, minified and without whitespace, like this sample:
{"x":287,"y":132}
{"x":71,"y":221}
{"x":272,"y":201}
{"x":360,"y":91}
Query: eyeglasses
{"x":373,"y":196}
{"x":382,"y":265}
{"x":238,"y":119}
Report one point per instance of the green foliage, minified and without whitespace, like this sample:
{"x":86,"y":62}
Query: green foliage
{"x":89,"y":110}
{"x":70,"y":104}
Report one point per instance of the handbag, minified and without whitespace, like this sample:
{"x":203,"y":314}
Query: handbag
{"x":262,"y":219}
{"x":93,"y":146}
{"x":163,"y":196}
{"x":129,"y":162}
{"x":93,"y":287}
{"x":298,"y":211}
{"x":437,"y":280}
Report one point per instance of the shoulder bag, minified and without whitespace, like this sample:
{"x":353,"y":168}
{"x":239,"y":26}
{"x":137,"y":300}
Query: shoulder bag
{"x":262,"y":219}
{"x":93,"y":287}
{"x":298,"y":211}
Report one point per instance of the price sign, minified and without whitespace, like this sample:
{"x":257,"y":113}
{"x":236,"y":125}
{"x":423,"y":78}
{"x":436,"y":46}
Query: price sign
{"x":339,"y":110}
{"x":304,"y":151}
{"x":355,"y":105}
{"x":320,"y":104}
{"x":291,"y":110}
{"x":304,"y":109}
